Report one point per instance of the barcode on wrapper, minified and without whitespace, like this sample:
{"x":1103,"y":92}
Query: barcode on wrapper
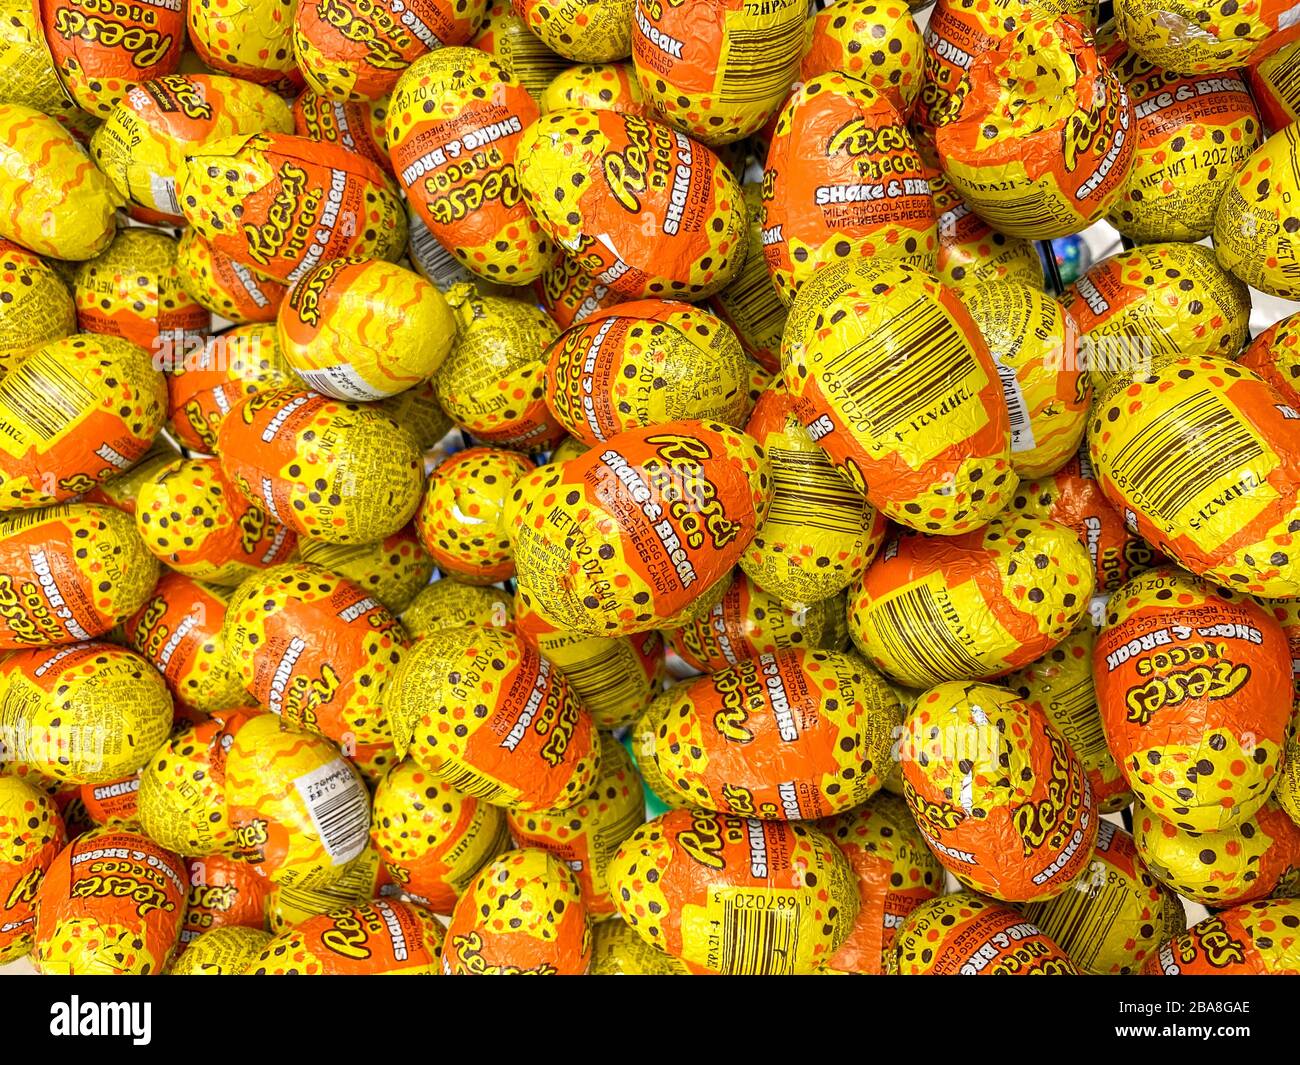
{"x":339,"y":807}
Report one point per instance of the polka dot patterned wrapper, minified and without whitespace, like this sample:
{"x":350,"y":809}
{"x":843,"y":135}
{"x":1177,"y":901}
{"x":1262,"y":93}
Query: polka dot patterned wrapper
{"x":484,"y":712}
{"x":333,"y":471}
{"x":1259,"y":939}
{"x":221,"y":952}
{"x":748,"y":621}
{"x":62,"y":205}
{"x":252,"y":39}
{"x":433,"y":839}
{"x":69,"y":573}
{"x":1043,"y":138}
{"x":120,"y":492}
{"x":181,"y":802}
{"x":875,"y":40}
{"x":791,"y":735}
{"x":1254,"y":859}
{"x":358,"y":49}
{"x":966,"y":935}
{"x":656,"y":517}
{"x":644,"y":363}
{"x":570,"y":295}
{"x":462,"y":518}
{"x":1254,"y":230}
{"x":101,"y":50}
{"x":735,"y":895}
{"x":614,"y":676}
{"x":142,"y":144}
{"x":1195,"y":37}
{"x":31,"y":836}
{"x":192,"y":519}
{"x":961,"y":30}
{"x":892,"y":378}
{"x":971,"y":251}
{"x":87,"y":713}
{"x":618,"y":951}
{"x":1115,"y":915}
{"x":586,"y":836}
{"x":596,"y":86}
{"x":381,"y":938}
{"x":931,"y":609}
{"x":354,"y":883}
{"x":1060,"y":685}
{"x":111,"y":905}
{"x":613,"y":190}
{"x":843,"y":181}
{"x":393,"y":569}
{"x":999,"y":795}
{"x":1208,"y":474}
{"x":523,"y":916}
{"x":224,"y":286}
{"x":282,"y":205}
{"x":359,"y":126}
{"x":35,"y":305}
{"x":491,"y":383}
{"x":204,"y":385}
{"x":417,"y":411}
{"x":301,"y":813}
{"x":1194,"y":686}
{"x":364,"y":329}
{"x":454,"y":129}
{"x":1193,"y":134}
{"x":896,"y":872}
{"x":595,"y":32}
{"x":1161,"y":298}
{"x":316,"y":650}
{"x":1073,"y":497}
{"x":1034,"y":342}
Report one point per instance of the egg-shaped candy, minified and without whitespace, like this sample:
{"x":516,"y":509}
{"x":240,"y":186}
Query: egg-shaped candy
{"x":223,"y":285}
{"x":315,"y":649}
{"x":612,"y":190}
{"x":1193,"y":38}
{"x":750,"y":303}
{"x":281,"y":204}
{"x":449,"y":603}
{"x":596,"y":32}
{"x":358,"y":126}
{"x":844,"y":181}
{"x":454,"y":132}
{"x":1194,"y":685}
{"x":971,"y":251}
{"x":39,"y":307}
{"x":225,"y":892}
{"x":1200,"y":456}
{"x":875,"y":40}
{"x":656,"y":518}
{"x":142,"y":144}
{"x":334,"y":471}
{"x":382,"y":938}
{"x":433,"y":839}
{"x":69,"y":573}
{"x":890,"y":375}
{"x":300,"y":812}
{"x":79,"y":410}
{"x":193,"y":519}
{"x":931,"y":609}
{"x":221,"y":952}
{"x":1258,"y":939}
{"x":968,"y":935}
{"x":393,"y":569}
{"x":1255,"y":224}
{"x":618,"y":951}
{"x":1001,"y":798}
{"x":1041,"y":134}
{"x":600,"y":86}
{"x":111,"y":904}
{"x":521,"y":739}
{"x":646,"y":362}
{"x":736,"y":895}
{"x":523,"y":915}
{"x":253,"y":41}
{"x":507,"y":38}
{"x":570,"y":295}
